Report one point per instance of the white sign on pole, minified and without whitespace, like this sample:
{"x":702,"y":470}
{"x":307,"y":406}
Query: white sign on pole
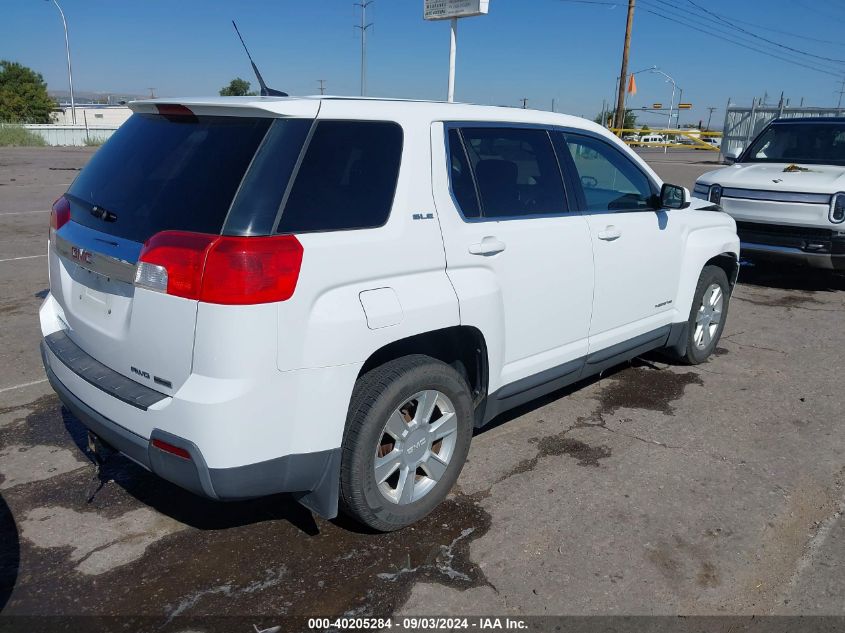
{"x":447,"y":9}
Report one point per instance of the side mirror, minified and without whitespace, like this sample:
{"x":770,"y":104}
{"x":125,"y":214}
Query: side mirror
{"x":731,"y":156}
{"x":674,"y":197}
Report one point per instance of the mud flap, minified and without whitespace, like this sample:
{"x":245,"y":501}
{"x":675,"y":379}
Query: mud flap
{"x":323,"y":498}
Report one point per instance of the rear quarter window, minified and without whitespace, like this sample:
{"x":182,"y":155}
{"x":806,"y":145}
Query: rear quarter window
{"x":347,"y":178}
{"x":161,"y":173}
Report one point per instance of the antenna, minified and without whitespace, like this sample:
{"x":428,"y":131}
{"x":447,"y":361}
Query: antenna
{"x":265,"y":91}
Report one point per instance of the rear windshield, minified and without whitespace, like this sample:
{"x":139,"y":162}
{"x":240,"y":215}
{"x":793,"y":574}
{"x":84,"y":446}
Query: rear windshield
{"x":161,"y":173}
{"x":819,"y":143}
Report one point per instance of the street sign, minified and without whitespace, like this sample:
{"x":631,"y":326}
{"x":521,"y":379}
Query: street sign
{"x":448,"y":9}
{"x":684,"y":106}
{"x":657,"y":106}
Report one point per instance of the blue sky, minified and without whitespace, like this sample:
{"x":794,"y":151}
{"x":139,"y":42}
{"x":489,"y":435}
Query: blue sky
{"x":537,"y":49}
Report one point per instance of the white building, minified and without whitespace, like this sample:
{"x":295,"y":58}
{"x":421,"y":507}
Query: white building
{"x":93,"y":115}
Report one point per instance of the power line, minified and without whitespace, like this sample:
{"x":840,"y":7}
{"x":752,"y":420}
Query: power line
{"x":827,"y":71}
{"x":683,"y":21}
{"x":747,"y":32}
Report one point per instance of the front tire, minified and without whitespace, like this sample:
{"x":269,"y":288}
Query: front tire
{"x":407,"y":436}
{"x":708,"y":315}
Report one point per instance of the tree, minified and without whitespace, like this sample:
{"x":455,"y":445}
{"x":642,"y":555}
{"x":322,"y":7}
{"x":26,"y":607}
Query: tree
{"x":23,"y":94}
{"x":645,"y":128}
{"x":630,"y":119}
{"x":237,"y":88}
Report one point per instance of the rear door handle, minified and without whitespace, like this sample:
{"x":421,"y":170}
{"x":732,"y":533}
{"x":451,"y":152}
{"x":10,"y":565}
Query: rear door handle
{"x":610,"y":233}
{"x":490,"y":245}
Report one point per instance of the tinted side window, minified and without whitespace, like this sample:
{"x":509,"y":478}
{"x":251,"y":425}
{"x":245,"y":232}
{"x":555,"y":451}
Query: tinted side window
{"x":463,"y":186}
{"x":347,"y":178}
{"x":610,"y":181}
{"x":516,"y":171}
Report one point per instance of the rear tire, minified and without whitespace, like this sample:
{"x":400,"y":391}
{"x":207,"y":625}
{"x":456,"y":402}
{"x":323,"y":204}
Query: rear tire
{"x":708,"y":315}
{"x":407,"y":436}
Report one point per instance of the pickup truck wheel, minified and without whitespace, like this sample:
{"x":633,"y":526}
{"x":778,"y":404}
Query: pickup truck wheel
{"x":708,"y":315}
{"x":407,"y":436}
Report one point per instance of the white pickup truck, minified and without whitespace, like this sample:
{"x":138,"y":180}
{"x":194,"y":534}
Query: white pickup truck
{"x":787,"y":192}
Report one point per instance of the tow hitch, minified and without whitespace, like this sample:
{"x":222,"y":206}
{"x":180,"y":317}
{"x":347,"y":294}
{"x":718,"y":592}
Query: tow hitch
{"x":99,"y":453}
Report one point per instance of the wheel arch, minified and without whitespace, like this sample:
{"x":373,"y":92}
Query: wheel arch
{"x":461,"y":346}
{"x":729,"y":262}
{"x":712,"y":245}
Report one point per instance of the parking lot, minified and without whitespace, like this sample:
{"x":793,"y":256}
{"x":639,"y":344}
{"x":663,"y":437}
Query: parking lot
{"x":655,"y":489}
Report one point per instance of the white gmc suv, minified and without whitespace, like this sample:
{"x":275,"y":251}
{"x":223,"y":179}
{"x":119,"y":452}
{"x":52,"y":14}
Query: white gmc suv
{"x":326,"y":296}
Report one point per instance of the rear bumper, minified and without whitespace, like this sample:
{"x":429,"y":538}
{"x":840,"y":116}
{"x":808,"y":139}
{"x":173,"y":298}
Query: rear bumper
{"x":819,"y":248}
{"x":312,"y":477}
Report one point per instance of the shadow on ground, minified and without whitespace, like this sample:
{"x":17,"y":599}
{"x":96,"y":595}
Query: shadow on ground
{"x":782,"y":276}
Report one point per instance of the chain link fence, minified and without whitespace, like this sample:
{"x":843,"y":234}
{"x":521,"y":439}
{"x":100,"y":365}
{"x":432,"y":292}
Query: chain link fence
{"x":742,"y":124}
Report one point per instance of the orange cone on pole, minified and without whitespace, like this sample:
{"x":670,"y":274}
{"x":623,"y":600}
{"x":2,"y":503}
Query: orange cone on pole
{"x":632,"y":86}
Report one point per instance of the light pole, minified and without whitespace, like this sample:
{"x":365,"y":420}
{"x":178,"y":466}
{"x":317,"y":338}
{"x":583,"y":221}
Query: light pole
{"x":674,"y":87}
{"x":671,"y":103}
{"x":618,"y":83}
{"x":69,"y":71}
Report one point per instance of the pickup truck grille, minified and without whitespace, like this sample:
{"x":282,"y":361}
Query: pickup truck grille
{"x":808,"y":239}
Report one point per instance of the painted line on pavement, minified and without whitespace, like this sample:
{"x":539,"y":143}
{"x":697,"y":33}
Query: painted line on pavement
{"x":14,"y":259}
{"x":21,"y":386}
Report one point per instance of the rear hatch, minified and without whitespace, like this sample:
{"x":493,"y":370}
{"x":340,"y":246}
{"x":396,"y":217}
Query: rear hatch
{"x":166,"y":169}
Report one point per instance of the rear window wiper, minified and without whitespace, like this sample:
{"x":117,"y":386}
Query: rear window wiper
{"x":103,"y":214}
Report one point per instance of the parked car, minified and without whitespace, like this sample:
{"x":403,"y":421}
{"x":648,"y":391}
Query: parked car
{"x":631,"y":138}
{"x":325,"y":296}
{"x":653,"y":138}
{"x":786,"y":192}
{"x":715,"y":141}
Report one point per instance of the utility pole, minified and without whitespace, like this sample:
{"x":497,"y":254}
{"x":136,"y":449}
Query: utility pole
{"x":322,"y":83}
{"x":524,"y":103}
{"x":841,"y":92}
{"x":553,"y":104}
{"x":619,"y":121}
{"x":152,"y":93}
{"x":364,"y":26}
{"x":710,"y":115}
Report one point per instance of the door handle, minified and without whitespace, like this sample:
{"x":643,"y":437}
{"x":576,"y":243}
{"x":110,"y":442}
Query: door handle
{"x":490,"y":245}
{"x":610,"y":233}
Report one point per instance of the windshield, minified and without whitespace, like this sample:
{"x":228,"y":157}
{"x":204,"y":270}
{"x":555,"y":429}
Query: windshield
{"x":818,"y":143}
{"x":157,"y":173}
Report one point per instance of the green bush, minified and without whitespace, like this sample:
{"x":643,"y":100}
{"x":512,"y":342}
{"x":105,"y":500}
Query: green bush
{"x":17,"y":136}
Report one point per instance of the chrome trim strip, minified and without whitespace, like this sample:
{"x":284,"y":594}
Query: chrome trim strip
{"x":776,"y":196}
{"x":106,"y":256}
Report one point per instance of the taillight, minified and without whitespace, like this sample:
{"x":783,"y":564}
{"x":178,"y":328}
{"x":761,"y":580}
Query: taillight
{"x":241,"y":270}
{"x":60,"y":213}
{"x":220,"y":269}
{"x":59,"y":216}
{"x":837,"y":208}
{"x":172,"y":262}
